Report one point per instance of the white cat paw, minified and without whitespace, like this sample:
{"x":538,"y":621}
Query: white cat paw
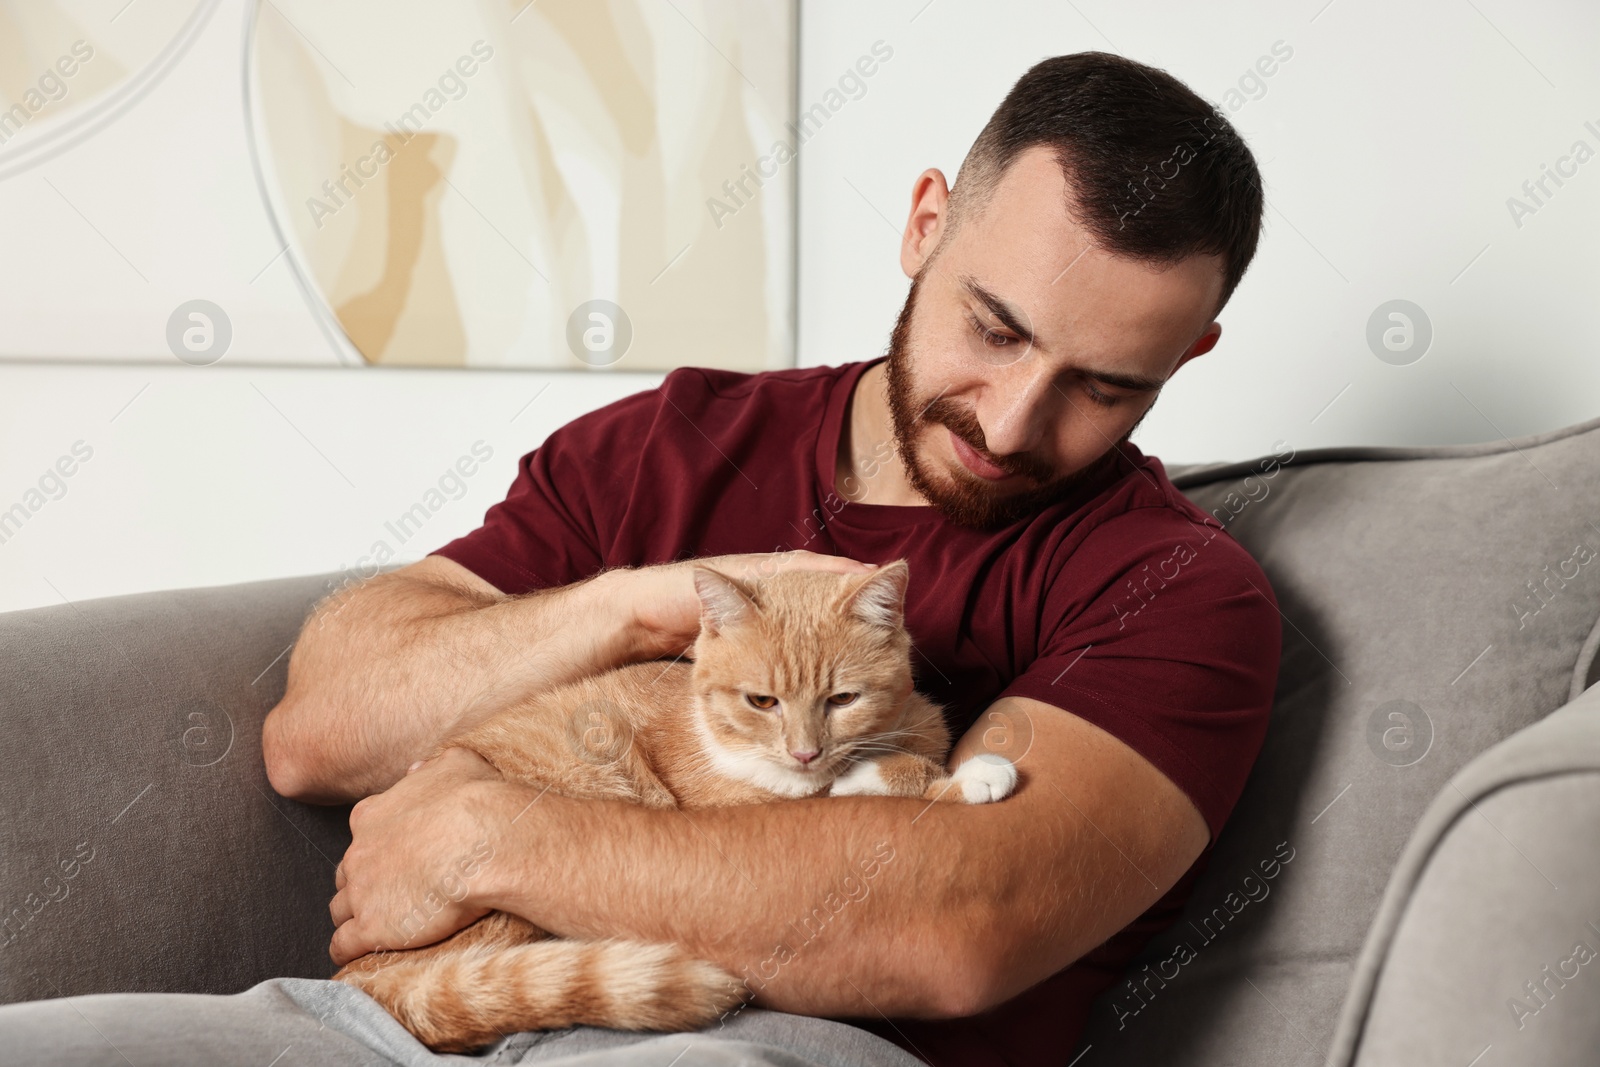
{"x":862,"y":780}
{"x":985,"y":778}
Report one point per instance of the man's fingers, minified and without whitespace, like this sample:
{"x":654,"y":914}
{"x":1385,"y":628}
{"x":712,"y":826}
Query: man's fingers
{"x":338,"y":876}
{"x":841,"y":564}
{"x":339,"y":950}
{"x":339,"y":908}
{"x":803,"y":560}
{"x":347,"y":944}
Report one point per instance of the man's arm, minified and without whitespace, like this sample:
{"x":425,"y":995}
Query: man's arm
{"x":973,"y":905}
{"x":385,"y":670}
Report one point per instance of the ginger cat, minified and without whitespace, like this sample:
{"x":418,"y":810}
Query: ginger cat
{"x":800,"y":685}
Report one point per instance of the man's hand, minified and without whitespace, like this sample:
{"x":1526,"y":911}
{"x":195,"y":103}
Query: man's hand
{"x":666,"y":609}
{"x":869,"y":906}
{"x":407,"y":878}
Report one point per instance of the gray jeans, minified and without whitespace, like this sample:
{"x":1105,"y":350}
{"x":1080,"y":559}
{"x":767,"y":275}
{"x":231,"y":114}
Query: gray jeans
{"x":305,"y":1022}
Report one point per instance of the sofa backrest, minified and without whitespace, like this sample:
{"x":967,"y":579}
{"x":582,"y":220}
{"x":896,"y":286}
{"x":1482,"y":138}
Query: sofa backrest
{"x":1435,"y":601}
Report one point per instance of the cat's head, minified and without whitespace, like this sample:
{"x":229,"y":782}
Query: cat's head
{"x":798,"y":673}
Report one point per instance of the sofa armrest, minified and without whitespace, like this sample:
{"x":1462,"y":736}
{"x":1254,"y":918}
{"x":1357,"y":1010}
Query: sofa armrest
{"x":1488,"y":935}
{"x":141,"y":846}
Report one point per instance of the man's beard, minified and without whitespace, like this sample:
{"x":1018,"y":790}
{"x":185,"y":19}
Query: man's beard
{"x":961,"y":496}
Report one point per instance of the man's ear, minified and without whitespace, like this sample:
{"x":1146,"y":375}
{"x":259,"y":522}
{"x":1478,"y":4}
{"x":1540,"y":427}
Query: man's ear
{"x":1203,"y":344}
{"x":930,"y":201}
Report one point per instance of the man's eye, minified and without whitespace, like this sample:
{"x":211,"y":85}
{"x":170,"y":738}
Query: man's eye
{"x":761,"y":703}
{"x":1105,"y":400}
{"x":991,"y":337}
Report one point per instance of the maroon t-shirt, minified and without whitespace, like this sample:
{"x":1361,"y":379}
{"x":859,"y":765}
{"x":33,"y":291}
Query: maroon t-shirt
{"x":1125,"y":605}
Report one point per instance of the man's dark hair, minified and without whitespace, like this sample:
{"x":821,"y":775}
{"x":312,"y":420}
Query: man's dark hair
{"x":1154,"y":172}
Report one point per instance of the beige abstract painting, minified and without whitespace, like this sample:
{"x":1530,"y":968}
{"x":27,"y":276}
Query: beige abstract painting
{"x":69,"y":68}
{"x":581,"y":184}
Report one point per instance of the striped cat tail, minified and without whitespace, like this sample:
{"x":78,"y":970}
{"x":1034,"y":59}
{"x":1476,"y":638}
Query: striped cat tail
{"x":473,"y":996}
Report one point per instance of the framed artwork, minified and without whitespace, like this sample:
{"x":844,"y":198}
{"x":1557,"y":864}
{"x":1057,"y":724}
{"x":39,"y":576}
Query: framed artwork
{"x":70,"y":68}
{"x":566,"y":184}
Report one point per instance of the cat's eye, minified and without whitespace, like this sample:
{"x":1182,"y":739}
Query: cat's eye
{"x":761,"y":703}
{"x":842,"y":700}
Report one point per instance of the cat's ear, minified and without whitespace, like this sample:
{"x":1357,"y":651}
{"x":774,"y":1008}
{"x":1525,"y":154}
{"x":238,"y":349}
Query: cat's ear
{"x":722,"y":602}
{"x":881,"y":597}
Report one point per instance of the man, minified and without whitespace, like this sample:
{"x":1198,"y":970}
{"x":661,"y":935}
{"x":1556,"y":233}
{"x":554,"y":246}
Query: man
{"x":1071,"y":609}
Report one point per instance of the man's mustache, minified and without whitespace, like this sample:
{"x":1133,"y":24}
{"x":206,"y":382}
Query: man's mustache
{"x":961,"y":422}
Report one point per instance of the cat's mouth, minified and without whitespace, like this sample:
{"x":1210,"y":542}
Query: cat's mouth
{"x":820,"y":767}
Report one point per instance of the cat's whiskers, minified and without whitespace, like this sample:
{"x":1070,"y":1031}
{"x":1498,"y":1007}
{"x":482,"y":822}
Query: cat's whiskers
{"x":870,"y":744}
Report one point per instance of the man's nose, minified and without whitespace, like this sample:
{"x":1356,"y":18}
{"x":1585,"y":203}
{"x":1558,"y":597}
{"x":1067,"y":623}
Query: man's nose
{"x":1021,"y":404}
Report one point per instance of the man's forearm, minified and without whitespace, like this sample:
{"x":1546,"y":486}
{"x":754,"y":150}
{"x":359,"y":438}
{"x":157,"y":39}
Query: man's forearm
{"x":383,"y":672}
{"x":842,"y":906}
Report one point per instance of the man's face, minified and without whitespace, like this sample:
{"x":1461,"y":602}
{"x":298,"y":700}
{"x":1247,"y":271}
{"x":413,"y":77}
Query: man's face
{"x":1023,"y":354}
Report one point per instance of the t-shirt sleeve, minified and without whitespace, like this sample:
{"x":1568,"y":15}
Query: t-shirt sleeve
{"x":555,"y":524}
{"x":1176,"y":655}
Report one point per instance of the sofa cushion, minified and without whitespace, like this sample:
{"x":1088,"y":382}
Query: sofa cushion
{"x":1435,"y":601}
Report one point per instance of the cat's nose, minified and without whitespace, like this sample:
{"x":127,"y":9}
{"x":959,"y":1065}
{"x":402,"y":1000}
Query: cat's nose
{"x":805,"y":757}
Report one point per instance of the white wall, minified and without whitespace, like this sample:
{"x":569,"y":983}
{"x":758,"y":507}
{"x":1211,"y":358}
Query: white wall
{"x":1390,"y":142}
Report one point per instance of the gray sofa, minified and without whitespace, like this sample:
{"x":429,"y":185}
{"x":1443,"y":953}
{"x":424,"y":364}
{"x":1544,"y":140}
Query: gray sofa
{"x":1416,"y":854}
